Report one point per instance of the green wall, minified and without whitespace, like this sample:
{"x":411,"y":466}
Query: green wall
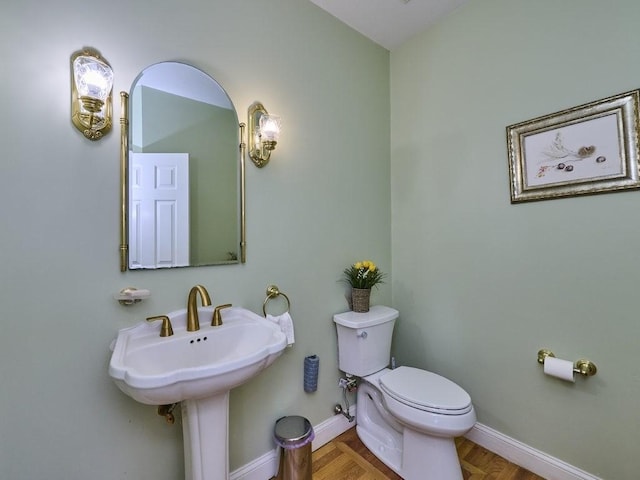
{"x":482,"y":284}
{"x":322,"y":203}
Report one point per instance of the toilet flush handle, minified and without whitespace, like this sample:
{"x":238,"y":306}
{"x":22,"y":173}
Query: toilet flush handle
{"x":362,"y":335}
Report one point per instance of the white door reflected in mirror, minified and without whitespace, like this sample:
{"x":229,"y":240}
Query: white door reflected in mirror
{"x":159,"y":207}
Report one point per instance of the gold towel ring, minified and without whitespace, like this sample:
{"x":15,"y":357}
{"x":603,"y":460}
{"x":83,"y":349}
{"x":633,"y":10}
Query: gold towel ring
{"x":273,"y":292}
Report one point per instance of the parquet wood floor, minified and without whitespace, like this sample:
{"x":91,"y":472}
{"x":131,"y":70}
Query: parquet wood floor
{"x":346,"y":458}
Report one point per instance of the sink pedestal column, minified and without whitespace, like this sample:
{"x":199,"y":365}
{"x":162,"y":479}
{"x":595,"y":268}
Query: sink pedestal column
{"x":205,"y":428}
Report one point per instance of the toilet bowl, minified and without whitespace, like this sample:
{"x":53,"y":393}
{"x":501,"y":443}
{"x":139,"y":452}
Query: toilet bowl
{"x":407,"y":417}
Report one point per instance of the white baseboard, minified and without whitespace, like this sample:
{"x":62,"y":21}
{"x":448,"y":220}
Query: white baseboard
{"x":332,"y":427}
{"x":265,"y":466}
{"x":540,"y":463}
{"x":525,"y":456}
{"x":262,"y":468}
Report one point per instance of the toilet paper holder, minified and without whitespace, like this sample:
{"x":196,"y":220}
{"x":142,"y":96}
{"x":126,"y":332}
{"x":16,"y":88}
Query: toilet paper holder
{"x":584,"y":367}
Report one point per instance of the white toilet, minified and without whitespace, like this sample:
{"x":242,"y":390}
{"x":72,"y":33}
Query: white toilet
{"x":407,"y":417}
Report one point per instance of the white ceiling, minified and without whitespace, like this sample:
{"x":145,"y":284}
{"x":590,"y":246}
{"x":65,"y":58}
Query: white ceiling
{"x":389,"y":22}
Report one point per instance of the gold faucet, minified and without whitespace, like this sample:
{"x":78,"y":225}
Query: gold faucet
{"x":216,"y":321}
{"x":193,"y":323}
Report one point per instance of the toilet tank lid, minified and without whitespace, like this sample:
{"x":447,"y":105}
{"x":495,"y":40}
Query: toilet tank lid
{"x":376,"y":315}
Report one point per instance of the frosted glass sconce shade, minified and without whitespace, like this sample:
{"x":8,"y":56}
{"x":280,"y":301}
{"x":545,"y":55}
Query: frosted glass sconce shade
{"x":264,"y":132}
{"x":270,"y":128}
{"x":91,"y":85}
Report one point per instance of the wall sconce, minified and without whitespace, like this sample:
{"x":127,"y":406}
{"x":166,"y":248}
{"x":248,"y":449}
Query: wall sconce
{"x":91,"y":103}
{"x":264,"y":130}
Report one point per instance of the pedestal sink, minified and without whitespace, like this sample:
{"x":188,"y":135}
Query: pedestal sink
{"x":197,"y":369}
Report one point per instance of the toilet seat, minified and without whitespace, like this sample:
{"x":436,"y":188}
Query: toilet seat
{"x":425,"y":391}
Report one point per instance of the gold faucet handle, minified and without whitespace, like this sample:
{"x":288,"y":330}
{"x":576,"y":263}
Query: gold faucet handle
{"x":216,"y":321}
{"x":166,"y":330}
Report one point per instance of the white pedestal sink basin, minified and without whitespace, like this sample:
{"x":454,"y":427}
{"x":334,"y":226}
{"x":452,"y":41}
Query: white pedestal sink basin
{"x":197,"y":369}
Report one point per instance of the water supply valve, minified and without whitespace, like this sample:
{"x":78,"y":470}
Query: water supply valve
{"x":350,"y":383}
{"x":166,"y":411}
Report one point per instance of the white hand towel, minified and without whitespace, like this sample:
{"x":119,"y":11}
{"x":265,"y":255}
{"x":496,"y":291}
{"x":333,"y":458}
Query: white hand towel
{"x":285,"y":322}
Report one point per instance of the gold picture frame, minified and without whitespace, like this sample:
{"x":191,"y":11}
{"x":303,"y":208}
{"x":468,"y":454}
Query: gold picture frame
{"x":589,"y":149}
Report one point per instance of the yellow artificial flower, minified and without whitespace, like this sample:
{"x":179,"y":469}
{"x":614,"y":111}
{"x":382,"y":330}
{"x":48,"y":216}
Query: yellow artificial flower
{"x":363,"y":274}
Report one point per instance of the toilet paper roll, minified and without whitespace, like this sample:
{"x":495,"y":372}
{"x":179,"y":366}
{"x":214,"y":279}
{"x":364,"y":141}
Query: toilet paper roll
{"x":559,"y":368}
{"x":311,"y":368}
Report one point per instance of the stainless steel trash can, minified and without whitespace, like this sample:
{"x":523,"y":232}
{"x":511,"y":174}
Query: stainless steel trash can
{"x":294,"y":435}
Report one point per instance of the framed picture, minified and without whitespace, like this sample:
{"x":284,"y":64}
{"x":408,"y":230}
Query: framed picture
{"x":588,"y":149}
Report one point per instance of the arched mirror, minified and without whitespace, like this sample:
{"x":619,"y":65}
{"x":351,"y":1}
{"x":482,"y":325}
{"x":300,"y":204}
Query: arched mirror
{"x":182,"y":165}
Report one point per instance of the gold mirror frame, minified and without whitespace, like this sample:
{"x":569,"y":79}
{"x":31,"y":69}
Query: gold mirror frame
{"x":124,"y":186}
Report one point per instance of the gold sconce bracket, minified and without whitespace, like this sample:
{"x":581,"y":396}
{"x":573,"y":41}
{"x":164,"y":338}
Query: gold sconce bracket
{"x":261,"y":142}
{"x":91,"y":99}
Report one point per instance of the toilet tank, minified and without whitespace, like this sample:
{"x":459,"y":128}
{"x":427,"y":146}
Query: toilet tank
{"x":364,"y":340}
